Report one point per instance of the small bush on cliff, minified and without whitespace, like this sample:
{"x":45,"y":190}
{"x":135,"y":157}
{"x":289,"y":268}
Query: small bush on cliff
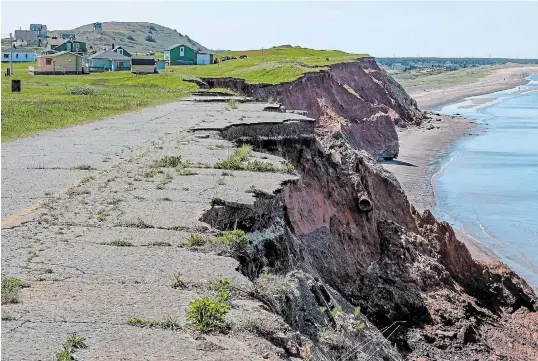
{"x":208,"y":313}
{"x":236,"y":159}
{"x":222,"y":286}
{"x":10,"y":290}
{"x":232,"y":103}
{"x":235,"y":239}
{"x":195,"y":240}
{"x":170,"y":161}
{"x":260,"y":166}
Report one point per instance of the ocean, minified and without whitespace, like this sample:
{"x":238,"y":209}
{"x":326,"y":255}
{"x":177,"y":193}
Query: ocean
{"x":487,"y":185}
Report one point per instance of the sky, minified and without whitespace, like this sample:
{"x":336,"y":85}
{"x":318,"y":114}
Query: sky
{"x":380,"y":28}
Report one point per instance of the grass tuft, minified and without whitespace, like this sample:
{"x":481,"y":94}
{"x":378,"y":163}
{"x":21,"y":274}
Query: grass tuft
{"x":195,"y":240}
{"x":118,"y":243}
{"x":10,"y":290}
{"x":169,"y":323}
{"x":236,"y":239}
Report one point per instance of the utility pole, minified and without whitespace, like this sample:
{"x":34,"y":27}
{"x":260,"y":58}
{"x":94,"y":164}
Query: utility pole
{"x":10,"y":55}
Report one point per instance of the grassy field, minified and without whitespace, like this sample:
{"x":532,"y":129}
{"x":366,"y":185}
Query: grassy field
{"x":273,"y":66}
{"x":47,"y":101}
{"x":54,"y":101}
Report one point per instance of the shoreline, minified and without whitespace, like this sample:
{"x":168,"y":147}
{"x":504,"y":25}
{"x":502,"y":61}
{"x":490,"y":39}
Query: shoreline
{"x":422,"y":149}
{"x":499,"y":80}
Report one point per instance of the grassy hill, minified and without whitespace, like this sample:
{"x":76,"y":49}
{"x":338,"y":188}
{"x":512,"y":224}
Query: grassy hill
{"x":273,"y":66}
{"x":132,"y":35}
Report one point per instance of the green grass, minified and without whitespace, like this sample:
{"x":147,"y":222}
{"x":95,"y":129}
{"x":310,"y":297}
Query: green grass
{"x":168,"y":323}
{"x":10,"y":290}
{"x":55,"y":101}
{"x":273,"y":66}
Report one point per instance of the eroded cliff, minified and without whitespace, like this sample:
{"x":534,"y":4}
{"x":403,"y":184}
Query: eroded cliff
{"x":347,"y":224}
{"x":358,"y":99}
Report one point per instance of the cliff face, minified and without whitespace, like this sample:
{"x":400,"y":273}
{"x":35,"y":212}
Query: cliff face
{"x":347,"y":224}
{"x":359,"y":99}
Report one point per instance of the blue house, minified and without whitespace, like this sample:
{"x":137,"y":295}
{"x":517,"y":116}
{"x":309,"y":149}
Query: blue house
{"x":18,"y":54}
{"x":109,"y":60}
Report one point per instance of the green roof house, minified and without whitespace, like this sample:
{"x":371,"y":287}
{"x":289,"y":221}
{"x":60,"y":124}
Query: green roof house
{"x":72,"y":46}
{"x":181,"y":54}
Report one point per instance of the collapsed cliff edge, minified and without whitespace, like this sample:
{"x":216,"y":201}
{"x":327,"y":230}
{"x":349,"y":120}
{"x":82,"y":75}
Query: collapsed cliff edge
{"x":346,"y":233}
{"x":358,"y":99}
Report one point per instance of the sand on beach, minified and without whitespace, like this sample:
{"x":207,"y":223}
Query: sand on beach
{"x":421,"y":150}
{"x":434,"y":96}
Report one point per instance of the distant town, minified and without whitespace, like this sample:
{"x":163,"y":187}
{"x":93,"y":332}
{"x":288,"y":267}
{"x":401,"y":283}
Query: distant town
{"x":401,"y":64}
{"x":63,"y":53}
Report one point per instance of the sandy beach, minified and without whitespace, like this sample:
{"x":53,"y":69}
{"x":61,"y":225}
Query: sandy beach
{"x":434,"y":96}
{"x":422,"y":148}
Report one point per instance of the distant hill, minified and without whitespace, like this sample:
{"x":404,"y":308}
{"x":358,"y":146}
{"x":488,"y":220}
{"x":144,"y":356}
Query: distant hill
{"x":132,"y":35}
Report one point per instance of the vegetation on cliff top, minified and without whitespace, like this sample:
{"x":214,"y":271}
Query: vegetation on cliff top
{"x":55,"y":101}
{"x":271,"y":66}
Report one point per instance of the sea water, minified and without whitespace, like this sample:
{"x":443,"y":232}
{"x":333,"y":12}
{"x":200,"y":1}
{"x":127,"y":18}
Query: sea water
{"x":488,"y":183}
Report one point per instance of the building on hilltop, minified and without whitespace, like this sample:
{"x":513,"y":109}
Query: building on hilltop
{"x":97,"y":27}
{"x":181,"y":54}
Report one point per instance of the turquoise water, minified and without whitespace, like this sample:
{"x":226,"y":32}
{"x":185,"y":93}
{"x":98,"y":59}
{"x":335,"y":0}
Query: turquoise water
{"x":488,"y":184}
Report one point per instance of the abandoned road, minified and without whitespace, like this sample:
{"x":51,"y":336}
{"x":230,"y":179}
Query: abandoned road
{"x":38,"y":166}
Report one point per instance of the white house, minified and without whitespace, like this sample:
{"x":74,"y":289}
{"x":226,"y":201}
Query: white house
{"x":18,"y":54}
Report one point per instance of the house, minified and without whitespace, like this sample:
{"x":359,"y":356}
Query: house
{"x":160,"y":65}
{"x":109,"y":60}
{"x":181,"y":54}
{"x":40,"y":29}
{"x":143,"y":65}
{"x":18,"y":54}
{"x":121,"y":50}
{"x":66,"y":36}
{"x":59,"y":63}
{"x":53,"y":42}
{"x":71,"y":46}
{"x":29,"y":37}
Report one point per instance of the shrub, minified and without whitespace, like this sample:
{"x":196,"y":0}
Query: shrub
{"x":195,"y":240}
{"x":130,"y":37}
{"x":222,"y":286}
{"x":260,"y":166}
{"x":170,"y":161}
{"x":236,"y":159}
{"x":235,"y":239}
{"x":10,"y":290}
{"x":288,"y":168}
{"x":168,"y":323}
{"x":149,"y":38}
{"x":232,"y":103}
{"x":208,"y":314}
{"x":177,"y":282}
{"x":82,"y":89}
{"x":119,"y":243}
{"x":73,"y":343}
{"x":151,"y":27}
